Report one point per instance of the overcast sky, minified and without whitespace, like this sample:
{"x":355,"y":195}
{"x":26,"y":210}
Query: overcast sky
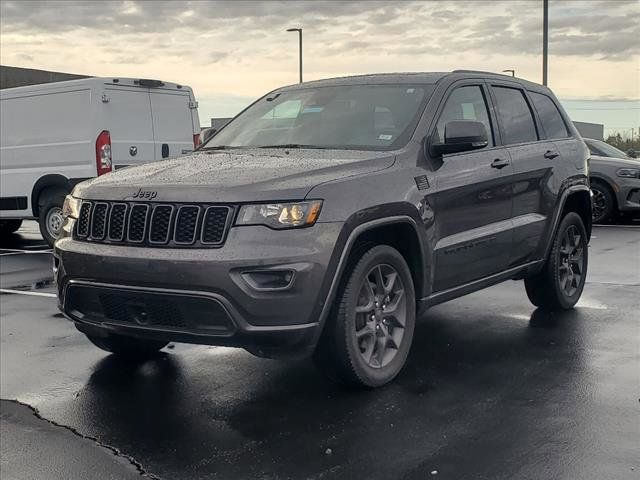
{"x":232,"y":52}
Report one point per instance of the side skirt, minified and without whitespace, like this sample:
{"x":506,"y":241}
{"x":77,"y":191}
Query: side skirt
{"x":513,"y":273}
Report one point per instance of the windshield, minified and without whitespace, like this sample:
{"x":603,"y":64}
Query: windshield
{"x":369,"y":117}
{"x":596,"y":147}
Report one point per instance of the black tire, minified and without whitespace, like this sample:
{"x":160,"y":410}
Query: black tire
{"x":383,"y":333}
{"x":604,"y":203}
{"x":10,"y":226}
{"x":50,"y":213}
{"x":129,"y":347}
{"x":559,"y":285}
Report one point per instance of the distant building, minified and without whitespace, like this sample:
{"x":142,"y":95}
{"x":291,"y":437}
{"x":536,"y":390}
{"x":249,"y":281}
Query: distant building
{"x":218,"y":123}
{"x":590,"y":130}
{"x":19,"y":77}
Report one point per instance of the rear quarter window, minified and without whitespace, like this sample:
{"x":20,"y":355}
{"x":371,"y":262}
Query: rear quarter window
{"x":550,"y":116}
{"x":515,"y":116}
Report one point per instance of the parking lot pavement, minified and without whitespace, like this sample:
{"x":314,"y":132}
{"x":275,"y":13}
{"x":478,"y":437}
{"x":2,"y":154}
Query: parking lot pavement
{"x":493,"y":389}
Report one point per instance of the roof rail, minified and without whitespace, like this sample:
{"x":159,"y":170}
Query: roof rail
{"x":478,"y":71}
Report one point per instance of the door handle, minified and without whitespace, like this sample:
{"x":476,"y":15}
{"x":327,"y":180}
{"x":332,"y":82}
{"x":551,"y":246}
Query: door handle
{"x":551,"y":155}
{"x":499,"y":163}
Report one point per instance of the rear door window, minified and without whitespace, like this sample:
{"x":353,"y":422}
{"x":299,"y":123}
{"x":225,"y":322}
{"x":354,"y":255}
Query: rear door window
{"x":515,"y":116}
{"x":465,"y":103}
{"x":550,"y":117}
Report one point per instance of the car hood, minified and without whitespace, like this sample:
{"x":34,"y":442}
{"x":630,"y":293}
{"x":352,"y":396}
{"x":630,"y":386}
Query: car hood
{"x":234,"y":175}
{"x":596,"y":160}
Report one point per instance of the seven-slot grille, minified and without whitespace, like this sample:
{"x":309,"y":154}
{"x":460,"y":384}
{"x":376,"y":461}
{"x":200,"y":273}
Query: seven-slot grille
{"x":153,"y":224}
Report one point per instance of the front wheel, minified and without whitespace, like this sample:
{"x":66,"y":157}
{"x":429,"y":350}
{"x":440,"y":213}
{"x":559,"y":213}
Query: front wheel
{"x":130,"y":347}
{"x":603,"y":202}
{"x":559,"y":285}
{"x":368,"y":335}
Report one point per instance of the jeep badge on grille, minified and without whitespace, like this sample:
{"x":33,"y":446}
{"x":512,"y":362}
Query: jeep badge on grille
{"x":148,"y":194}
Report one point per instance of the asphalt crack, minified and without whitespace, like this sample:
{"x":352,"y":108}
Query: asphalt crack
{"x":137,"y":465}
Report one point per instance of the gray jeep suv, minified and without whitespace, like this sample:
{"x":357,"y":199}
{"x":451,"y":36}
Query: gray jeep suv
{"x":326,"y":215}
{"x":614,"y":179}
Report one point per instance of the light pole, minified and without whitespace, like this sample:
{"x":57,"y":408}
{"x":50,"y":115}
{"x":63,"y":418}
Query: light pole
{"x":299,"y":30}
{"x":545,"y":39}
{"x":513,"y":72}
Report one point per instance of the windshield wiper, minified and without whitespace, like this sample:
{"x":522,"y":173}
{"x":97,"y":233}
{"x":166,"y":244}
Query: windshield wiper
{"x":293,"y":145}
{"x":217,"y":147}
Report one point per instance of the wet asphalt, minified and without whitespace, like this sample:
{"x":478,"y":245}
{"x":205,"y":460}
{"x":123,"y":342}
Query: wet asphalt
{"x":493,"y":389}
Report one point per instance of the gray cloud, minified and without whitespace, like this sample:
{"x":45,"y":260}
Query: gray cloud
{"x":167,"y":28}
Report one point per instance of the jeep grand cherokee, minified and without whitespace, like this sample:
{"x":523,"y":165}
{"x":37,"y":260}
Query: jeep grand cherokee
{"x":326,"y":215}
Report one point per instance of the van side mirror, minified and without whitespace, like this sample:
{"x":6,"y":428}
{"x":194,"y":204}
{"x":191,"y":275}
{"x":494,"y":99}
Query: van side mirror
{"x":461,"y":136}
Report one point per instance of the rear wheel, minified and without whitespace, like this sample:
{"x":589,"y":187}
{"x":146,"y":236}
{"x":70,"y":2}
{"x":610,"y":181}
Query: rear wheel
{"x":603,"y":202}
{"x":10,"y":226}
{"x":50,"y":214}
{"x":368,"y":335}
{"x":559,"y":285}
{"x":128,"y":346}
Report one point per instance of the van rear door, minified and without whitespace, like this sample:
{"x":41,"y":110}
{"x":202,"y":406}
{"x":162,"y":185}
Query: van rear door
{"x":128,"y":117}
{"x":172,"y":122}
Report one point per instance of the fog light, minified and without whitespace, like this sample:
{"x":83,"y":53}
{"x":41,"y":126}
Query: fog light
{"x":269,"y":279}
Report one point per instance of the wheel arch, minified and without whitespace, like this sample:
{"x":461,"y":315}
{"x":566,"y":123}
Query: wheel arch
{"x":608,"y":183}
{"x":576,"y":198}
{"x":44,"y":183}
{"x":378,"y":223}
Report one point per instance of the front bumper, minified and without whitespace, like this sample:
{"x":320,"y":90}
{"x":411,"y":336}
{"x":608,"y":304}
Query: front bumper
{"x":202,"y":295}
{"x":628,"y":193}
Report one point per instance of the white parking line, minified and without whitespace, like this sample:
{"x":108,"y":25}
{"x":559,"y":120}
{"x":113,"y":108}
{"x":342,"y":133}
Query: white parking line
{"x":33,"y":294}
{"x":616,"y":226}
{"x":14,"y":251}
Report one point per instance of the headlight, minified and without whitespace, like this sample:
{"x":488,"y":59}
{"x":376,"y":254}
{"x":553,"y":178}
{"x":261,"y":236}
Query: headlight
{"x":629,"y":172}
{"x":71,"y":207}
{"x":280,"y":215}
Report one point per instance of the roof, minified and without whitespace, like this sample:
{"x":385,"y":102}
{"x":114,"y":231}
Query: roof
{"x":90,"y":82}
{"x":405,"y":78}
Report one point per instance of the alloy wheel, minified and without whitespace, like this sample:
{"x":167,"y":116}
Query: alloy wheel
{"x":381,"y":314}
{"x":571,"y":261}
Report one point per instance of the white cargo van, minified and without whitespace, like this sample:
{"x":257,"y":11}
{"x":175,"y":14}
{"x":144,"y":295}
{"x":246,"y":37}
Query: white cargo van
{"x":55,"y":135}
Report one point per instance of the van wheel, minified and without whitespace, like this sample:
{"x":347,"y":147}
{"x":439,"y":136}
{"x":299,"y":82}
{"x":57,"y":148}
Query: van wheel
{"x":559,"y":284}
{"x":128,"y":346}
{"x":368,"y":334}
{"x":50,"y":214}
{"x":10,"y":226}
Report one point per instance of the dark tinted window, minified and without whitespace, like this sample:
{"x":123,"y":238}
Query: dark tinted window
{"x":515,"y":116}
{"x":549,"y":115}
{"x":465,"y":103}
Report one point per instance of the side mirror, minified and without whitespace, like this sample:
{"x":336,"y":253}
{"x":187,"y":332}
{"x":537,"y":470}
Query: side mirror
{"x":461,"y":136}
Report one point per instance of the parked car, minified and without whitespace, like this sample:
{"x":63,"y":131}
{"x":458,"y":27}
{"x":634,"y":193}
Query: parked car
{"x":615,"y":181}
{"x":325,"y":216}
{"x":55,"y":135}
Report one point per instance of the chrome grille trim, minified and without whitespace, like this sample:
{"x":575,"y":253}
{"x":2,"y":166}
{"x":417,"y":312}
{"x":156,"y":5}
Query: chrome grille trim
{"x":156,"y":225}
{"x":227,"y":222}
{"x":169,"y":226}
{"x":112,"y":213}
{"x":94,"y":226}
{"x":177,"y":223}
{"x":130,"y":219}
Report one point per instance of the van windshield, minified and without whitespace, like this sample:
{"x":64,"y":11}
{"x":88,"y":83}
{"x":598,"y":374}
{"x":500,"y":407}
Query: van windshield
{"x":366,"y":117}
